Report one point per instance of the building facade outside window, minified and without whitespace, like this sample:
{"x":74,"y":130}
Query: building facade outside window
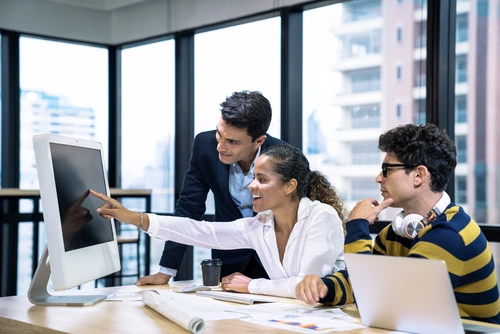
{"x":355,"y":96}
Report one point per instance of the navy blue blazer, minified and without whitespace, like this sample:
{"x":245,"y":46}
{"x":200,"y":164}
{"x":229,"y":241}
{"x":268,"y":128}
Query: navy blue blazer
{"x":206,"y":172}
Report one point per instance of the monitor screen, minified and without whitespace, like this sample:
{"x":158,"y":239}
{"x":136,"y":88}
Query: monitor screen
{"x":81,"y":245}
{"x":76,"y":170}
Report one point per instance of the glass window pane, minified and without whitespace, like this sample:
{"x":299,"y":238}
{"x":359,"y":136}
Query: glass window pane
{"x":148,"y":129}
{"x":254,"y":55}
{"x":0,"y":108}
{"x":148,"y":121}
{"x":477,"y":105}
{"x":356,"y":87}
{"x":242,"y":57}
{"x":64,"y":91}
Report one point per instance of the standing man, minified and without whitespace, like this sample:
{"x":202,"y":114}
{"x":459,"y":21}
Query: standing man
{"x":417,"y":166}
{"x":222,"y":161}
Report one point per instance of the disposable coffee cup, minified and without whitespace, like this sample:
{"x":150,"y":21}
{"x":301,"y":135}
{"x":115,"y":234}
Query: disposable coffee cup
{"x":210,"y":269}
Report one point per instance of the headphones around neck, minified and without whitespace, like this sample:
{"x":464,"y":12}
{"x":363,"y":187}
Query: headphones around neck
{"x":408,"y":226}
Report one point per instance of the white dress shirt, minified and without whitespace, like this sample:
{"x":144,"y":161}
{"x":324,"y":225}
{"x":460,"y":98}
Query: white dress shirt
{"x":315,"y":246}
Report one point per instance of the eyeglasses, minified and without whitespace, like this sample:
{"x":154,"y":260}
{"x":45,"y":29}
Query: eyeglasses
{"x":386,"y":166}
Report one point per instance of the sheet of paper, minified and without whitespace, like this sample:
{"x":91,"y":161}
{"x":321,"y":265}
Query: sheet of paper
{"x":125,"y":295}
{"x":298,"y":318}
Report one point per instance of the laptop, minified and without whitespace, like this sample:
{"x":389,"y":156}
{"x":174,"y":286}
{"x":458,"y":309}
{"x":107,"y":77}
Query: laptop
{"x":406,"y":294}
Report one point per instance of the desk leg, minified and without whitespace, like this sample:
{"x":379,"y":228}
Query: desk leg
{"x":9,"y":243}
{"x":147,"y":257}
{"x":36,"y":234}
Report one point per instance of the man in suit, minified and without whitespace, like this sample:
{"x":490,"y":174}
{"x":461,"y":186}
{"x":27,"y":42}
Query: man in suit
{"x":222,"y":161}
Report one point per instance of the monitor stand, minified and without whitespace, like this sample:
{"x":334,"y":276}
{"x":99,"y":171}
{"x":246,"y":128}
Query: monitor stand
{"x":38,"y":294}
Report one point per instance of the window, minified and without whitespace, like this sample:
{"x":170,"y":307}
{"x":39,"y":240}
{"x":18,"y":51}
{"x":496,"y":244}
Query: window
{"x":0,"y":108}
{"x":148,"y":121}
{"x":365,"y":153}
{"x":361,"y":45}
{"x":218,"y":75}
{"x":254,"y":54}
{"x":420,"y":75}
{"x":252,"y":62}
{"x":422,"y":4}
{"x":420,"y":34}
{"x":461,"y":143}
{"x":148,"y":130}
{"x":344,"y":94}
{"x":461,"y":70}
{"x":461,"y":109}
{"x":461,"y":190}
{"x":363,"y":187}
{"x":399,"y":35}
{"x":398,"y":110}
{"x":476,"y":96}
{"x":365,"y":116}
{"x":420,"y":110}
{"x":399,"y":72}
{"x":462,"y":28}
{"x":365,"y":81}
{"x":361,"y":10}
{"x":64,"y":91}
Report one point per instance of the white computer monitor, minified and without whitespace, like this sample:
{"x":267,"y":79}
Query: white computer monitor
{"x":81,"y":245}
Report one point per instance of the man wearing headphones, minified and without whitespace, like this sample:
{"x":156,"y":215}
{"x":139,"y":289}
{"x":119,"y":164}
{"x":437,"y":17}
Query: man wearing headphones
{"x":417,"y":166}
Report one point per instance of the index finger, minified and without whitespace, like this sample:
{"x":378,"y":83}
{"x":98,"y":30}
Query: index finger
{"x":99,"y":195}
{"x":372,"y":200}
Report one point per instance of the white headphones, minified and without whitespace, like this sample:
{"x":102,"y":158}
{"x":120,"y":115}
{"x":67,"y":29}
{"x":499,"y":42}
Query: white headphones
{"x":408,"y":226}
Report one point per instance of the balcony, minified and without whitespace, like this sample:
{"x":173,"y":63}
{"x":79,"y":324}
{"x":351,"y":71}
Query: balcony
{"x":357,"y":62}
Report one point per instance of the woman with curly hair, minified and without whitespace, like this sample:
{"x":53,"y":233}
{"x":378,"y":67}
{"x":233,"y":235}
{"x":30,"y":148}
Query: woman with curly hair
{"x":299,"y":228}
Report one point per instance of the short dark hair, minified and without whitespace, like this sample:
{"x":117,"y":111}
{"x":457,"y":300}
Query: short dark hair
{"x":425,"y":145}
{"x":248,"y":110}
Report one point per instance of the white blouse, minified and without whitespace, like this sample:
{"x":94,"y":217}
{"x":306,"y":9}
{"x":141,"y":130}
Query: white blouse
{"x":315,"y":246}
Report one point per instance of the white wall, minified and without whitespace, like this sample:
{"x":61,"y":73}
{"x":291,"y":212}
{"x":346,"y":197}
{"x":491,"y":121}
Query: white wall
{"x":130,"y":23}
{"x":55,"y":20}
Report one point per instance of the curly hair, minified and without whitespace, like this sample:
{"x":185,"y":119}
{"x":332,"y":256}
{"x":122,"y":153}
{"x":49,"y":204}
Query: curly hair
{"x":423,"y":145}
{"x":320,"y":189}
{"x":290,"y":163}
{"x":247,"y":110}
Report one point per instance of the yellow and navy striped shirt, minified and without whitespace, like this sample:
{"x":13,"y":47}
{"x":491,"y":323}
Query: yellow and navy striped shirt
{"x":453,"y":237}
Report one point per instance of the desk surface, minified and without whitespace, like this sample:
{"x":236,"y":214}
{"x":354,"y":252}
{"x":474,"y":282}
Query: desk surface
{"x":18,"y":315}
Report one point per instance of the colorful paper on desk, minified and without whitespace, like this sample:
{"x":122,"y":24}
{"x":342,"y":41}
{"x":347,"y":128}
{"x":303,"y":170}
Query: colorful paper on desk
{"x":302,"y":319}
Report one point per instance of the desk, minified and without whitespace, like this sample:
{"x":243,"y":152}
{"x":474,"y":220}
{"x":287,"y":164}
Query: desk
{"x":10,"y":217}
{"x":18,"y":315}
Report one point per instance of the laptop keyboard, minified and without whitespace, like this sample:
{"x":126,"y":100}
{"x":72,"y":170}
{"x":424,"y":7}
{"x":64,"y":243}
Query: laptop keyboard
{"x":477,"y":329}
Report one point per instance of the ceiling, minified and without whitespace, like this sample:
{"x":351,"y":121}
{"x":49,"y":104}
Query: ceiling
{"x":99,"y":4}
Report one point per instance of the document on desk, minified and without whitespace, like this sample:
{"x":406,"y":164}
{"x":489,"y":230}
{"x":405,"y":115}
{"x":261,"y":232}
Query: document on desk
{"x":188,"y":311}
{"x":125,"y":295}
{"x":297,"y":318}
{"x":235,"y":297}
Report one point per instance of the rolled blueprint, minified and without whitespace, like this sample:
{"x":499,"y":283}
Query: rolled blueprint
{"x":172,"y":307}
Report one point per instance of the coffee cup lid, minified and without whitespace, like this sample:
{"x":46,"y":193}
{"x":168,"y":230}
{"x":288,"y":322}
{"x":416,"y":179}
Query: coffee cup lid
{"x":211,"y":262}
